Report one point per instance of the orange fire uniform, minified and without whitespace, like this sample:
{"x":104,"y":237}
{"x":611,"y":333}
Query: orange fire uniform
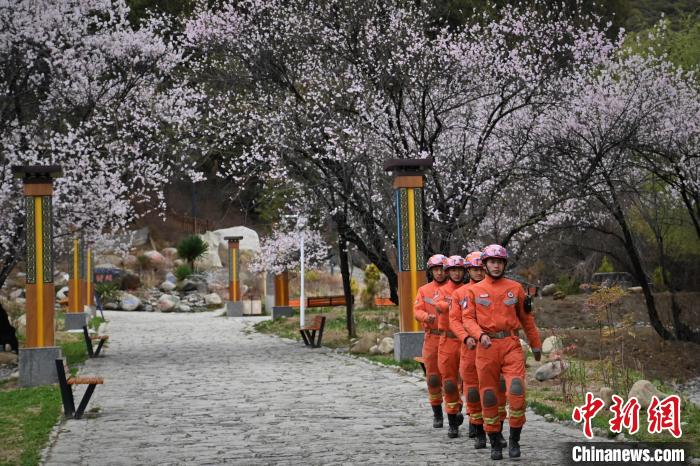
{"x":449,"y":351}
{"x":496,"y":307}
{"x":424,"y":307}
{"x":467,"y":361}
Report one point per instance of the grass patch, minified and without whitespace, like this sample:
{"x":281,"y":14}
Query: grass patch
{"x":27,"y":416}
{"x":95,"y":323}
{"x":408,"y":365}
{"x":74,"y":352}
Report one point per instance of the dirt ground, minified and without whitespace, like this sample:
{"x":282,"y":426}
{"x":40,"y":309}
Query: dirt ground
{"x":643,"y":348}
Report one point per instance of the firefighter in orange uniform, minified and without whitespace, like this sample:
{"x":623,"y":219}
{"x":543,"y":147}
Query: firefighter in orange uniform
{"x":467,"y":360}
{"x":450,"y":346}
{"x":425,"y":312}
{"x":495,"y":312}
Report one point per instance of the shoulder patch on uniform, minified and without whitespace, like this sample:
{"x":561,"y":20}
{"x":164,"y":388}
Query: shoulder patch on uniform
{"x":463,"y":303}
{"x":510,"y":294}
{"x":484,"y":295}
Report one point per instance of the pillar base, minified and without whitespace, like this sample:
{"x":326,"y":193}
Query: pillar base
{"x":408,"y":345}
{"x":37,"y":366}
{"x":75,"y":320}
{"x":234,"y":308}
{"x":281,"y":311}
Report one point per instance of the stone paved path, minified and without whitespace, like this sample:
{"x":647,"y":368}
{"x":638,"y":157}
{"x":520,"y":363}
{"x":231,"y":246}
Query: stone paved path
{"x":200,"y":389}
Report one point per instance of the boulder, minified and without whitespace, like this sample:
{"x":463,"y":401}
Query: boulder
{"x":60,"y":279}
{"x":549,"y":290}
{"x":148,"y":308}
{"x":550,"y":370}
{"x":167,"y":286}
{"x":178,"y":262}
{"x":131,"y":281}
{"x":386,"y":346}
{"x":364,"y":344}
{"x":183,"y":308}
{"x":643,"y":390}
{"x":210,"y":259}
{"x":111,"y":259}
{"x":169,"y":253}
{"x":130,"y":261}
{"x":129,"y":302}
{"x":552,"y":343}
{"x":156,"y":259}
{"x":213,"y":299}
{"x":559,"y":295}
{"x":605,"y":394}
{"x":8,"y":358}
{"x":167,"y":303}
{"x":171,"y":277}
{"x":62,"y":293}
{"x":187,"y":285}
{"x":374,"y":350}
{"x":111,"y":306}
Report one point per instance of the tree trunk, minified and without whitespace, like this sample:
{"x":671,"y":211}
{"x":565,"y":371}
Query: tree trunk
{"x":636,"y":262}
{"x":347,"y":289}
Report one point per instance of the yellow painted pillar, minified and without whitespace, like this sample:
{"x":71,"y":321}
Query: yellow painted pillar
{"x":89,"y":280}
{"x":234,"y":306}
{"x":75,"y":290}
{"x":36,"y":358}
{"x":408,"y":202}
{"x":282,"y":289}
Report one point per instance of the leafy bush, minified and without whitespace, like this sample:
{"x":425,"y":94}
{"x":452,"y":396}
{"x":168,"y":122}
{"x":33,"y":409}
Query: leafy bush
{"x":606,"y":266}
{"x":192,"y":248}
{"x":372,"y":276}
{"x":182,"y":272}
{"x":658,"y":279}
{"x":106,"y":291}
{"x":568,"y":285}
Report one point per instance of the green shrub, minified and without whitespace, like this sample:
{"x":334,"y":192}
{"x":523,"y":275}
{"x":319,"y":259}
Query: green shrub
{"x":192,"y":248}
{"x":568,"y":285}
{"x":606,"y":266}
{"x":182,"y":272}
{"x":371,"y":286}
{"x":658,"y":279}
{"x":106,"y":291}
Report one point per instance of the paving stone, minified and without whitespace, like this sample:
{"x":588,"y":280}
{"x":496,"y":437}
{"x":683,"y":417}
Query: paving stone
{"x":200,"y":389}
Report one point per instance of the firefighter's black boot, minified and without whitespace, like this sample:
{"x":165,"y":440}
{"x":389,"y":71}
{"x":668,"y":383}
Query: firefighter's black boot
{"x":453,"y":431}
{"x":480,"y":436}
{"x":514,"y":442}
{"x":496,"y":449}
{"x":437,"y":417}
{"x":504,"y":443}
{"x":472,"y":430}
{"x":460,"y":418}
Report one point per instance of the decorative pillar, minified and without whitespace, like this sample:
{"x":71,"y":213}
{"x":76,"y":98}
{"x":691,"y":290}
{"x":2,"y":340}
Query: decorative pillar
{"x":76,"y":317}
{"x":408,"y":202}
{"x":90,"y":282}
{"x":282,"y":307}
{"x":37,"y":359}
{"x":234,"y":306}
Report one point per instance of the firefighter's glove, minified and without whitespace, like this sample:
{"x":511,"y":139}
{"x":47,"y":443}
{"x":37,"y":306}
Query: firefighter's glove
{"x":537,"y":354}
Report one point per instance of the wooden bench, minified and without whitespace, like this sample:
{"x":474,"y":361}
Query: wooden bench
{"x":66,"y":384}
{"x":421,"y":361}
{"x":308,"y":333}
{"x":93,"y":353}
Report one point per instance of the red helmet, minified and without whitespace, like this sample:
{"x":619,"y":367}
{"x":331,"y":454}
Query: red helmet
{"x":438,"y":260}
{"x":473,"y":259}
{"x":454,"y":261}
{"x":494,"y":250}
